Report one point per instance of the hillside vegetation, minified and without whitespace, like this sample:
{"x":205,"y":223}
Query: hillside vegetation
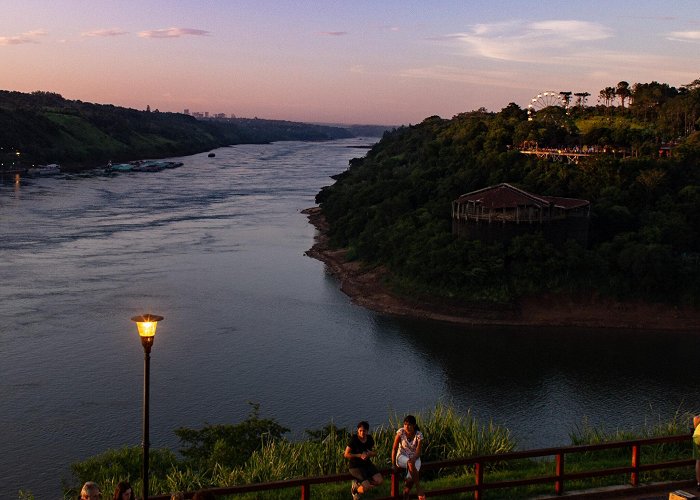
{"x":46,"y":128}
{"x":393,"y":207}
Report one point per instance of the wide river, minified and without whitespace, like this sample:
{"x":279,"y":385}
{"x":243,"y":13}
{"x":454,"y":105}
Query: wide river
{"x":217,"y":247}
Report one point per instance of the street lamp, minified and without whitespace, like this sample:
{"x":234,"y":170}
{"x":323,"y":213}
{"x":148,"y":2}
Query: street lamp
{"x":146,"y":324}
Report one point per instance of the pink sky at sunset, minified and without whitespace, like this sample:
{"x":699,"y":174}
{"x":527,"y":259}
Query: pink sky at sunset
{"x":384,"y":62}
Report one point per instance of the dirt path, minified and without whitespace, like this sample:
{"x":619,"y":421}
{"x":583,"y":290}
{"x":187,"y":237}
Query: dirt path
{"x":365,"y":286}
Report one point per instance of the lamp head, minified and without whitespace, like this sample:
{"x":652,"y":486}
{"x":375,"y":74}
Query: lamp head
{"x":146,"y":324}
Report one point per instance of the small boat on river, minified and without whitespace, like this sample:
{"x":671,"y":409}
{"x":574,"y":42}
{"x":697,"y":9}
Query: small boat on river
{"x":40,"y":170}
{"x":118,"y":167}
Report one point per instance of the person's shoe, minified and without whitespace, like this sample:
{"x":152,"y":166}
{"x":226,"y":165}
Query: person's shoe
{"x":353,"y":489}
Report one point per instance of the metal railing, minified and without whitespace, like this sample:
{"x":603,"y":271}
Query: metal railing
{"x":479,"y":463}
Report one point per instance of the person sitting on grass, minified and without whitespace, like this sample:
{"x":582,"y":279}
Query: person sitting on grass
{"x":359,"y":450}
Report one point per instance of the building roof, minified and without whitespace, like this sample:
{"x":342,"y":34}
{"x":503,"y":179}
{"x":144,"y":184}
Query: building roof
{"x":505,"y":195}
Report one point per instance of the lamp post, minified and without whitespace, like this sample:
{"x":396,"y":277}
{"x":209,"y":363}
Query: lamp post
{"x":146,"y":324}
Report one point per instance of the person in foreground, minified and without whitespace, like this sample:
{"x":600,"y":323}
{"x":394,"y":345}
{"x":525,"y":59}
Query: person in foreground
{"x":90,"y":491}
{"x":123,"y":491}
{"x":406,"y":454}
{"x":359,"y":450}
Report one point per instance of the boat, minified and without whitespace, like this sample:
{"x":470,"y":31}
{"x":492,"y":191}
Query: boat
{"x":154,"y":165}
{"x":118,"y":167}
{"x":50,"y":169}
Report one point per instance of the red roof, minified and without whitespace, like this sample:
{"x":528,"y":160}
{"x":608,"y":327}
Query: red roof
{"x":507,"y":196}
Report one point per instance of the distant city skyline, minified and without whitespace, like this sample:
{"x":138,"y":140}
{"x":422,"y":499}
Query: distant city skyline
{"x":367,"y":62}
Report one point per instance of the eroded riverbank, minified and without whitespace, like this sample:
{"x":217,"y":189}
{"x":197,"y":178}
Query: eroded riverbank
{"x":366,"y":287}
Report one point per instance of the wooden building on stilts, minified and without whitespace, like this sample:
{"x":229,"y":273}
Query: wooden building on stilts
{"x":503,"y":211}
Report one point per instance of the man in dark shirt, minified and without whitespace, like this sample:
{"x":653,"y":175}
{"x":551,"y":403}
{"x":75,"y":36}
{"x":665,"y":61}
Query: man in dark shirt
{"x":359,"y":450}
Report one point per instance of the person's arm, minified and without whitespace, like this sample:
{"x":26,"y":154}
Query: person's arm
{"x":394,"y":450}
{"x":370,"y":452}
{"x":348,"y":453}
{"x":419,"y":446}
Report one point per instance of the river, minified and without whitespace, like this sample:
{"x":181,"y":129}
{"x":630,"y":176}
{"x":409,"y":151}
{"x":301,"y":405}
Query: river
{"x":217,"y":248}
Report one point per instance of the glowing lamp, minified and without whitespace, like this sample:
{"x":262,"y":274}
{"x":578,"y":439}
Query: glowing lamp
{"x":146,"y":324}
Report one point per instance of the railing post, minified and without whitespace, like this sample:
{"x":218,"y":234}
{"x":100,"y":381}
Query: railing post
{"x":394,"y":483}
{"x":306,"y":491}
{"x":634,"y":479}
{"x":559,"y":483}
{"x":478,"y":480}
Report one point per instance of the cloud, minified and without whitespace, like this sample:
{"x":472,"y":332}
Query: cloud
{"x":334,"y":33}
{"x":27,"y":37}
{"x":172,"y":33}
{"x":522,"y":41}
{"x":105,"y":32}
{"x":684,"y":36}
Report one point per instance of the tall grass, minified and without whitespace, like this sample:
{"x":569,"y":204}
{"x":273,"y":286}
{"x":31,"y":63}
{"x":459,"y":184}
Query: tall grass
{"x":448,"y":433}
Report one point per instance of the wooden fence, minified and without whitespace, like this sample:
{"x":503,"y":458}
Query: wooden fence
{"x":478,"y":464}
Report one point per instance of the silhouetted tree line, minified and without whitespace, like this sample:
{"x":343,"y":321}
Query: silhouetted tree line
{"x":46,"y":128}
{"x":393,"y":207}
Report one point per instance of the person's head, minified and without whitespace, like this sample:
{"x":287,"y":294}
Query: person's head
{"x":362,"y":429}
{"x":90,"y":491}
{"x":177,"y":496}
{"x":409,"y":424}
{"x":123,"y":491}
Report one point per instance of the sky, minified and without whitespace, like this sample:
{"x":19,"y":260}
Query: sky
{"x":388,"y":62}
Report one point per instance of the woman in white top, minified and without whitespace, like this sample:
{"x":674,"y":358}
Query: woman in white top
{"x":406,"y":454}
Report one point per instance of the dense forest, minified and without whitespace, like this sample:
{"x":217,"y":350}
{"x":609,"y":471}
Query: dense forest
{"x":43,"y":127}
{"x":393,"y":207}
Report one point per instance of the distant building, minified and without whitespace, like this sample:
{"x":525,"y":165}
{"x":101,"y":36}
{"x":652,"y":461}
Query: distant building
{"x":187,"y":111}
{"x":501,"y":212}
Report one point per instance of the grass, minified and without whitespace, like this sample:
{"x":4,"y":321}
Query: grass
{"x":449,"y":433}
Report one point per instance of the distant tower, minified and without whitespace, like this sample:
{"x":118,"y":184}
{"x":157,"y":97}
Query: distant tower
{"x":148,"y":109}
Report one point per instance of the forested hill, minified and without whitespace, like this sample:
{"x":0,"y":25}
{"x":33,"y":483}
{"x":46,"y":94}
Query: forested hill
{"x":46,"y":128}
{"x":393,"y":207}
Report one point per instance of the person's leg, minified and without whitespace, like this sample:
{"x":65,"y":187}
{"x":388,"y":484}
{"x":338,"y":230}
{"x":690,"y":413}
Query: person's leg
{"x":372,"y":478}
{"x":697,"y":472}
{"x":357,"y":480}
{"x":414,"y":468}
{"x":402,"y":461}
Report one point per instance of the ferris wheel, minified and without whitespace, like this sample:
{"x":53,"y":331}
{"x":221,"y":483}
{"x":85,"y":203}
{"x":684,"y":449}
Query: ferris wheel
{"x":544,"y":100}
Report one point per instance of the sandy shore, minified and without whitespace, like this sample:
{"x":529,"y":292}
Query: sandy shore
{"x":365,"y":286}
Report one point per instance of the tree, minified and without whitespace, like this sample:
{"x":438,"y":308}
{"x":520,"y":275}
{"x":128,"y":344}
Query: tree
{"x":623,"y":91}
{"x":606,"y":96}
{"x":566,"y":97}
{"x":581,"y":99}
{"x":230,"y":445}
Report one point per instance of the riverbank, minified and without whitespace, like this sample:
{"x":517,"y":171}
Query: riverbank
{"x":366,"y":286}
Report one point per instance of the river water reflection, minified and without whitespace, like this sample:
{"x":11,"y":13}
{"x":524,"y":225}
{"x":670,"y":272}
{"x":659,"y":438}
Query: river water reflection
{"x":217,"y":247}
